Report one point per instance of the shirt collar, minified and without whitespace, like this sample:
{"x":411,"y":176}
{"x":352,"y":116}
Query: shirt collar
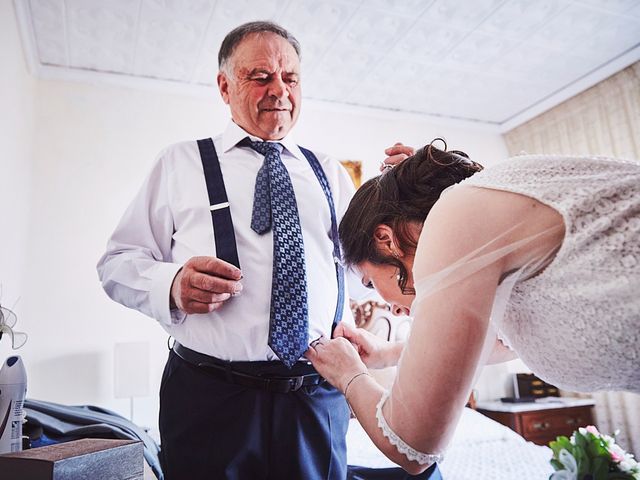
{"x":234,"y":134}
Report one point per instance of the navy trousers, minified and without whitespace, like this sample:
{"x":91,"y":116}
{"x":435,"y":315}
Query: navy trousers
{"x":211,"y":429}
{"x":364,"y":473}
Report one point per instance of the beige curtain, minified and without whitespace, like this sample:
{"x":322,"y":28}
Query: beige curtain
{"x":604,"y":120}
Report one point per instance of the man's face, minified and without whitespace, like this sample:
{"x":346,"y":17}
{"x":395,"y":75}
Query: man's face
{"x":263,"y":89}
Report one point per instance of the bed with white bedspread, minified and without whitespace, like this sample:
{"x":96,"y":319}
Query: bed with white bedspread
{"x":480,"y":449}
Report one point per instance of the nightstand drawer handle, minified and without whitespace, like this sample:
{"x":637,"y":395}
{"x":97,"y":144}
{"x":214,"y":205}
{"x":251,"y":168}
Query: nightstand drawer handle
{"x":574,"y":421}
{"x":541,"y":425}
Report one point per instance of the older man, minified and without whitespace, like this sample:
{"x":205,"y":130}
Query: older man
{"x":230,"y":244}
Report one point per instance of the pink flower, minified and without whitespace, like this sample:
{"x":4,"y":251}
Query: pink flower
{"x":617,"y":453}
{"x":615,"y":457}
{"x":592,"y":429}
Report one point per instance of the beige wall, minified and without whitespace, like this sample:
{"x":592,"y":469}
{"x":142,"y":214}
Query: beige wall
{"x":17,"y":98}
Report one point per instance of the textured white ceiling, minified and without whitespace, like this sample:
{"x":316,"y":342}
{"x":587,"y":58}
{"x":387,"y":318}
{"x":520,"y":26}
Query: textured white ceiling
{"x":477,"y":60}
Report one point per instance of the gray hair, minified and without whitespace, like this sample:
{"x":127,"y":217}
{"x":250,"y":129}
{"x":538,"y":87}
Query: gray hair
{"x":235,"y":36}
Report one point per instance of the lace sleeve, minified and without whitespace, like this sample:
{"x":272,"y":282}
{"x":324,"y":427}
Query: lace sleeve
{"x":402,"y":447}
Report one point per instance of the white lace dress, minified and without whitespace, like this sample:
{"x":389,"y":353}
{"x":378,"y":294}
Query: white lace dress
{"x":577,"y":324}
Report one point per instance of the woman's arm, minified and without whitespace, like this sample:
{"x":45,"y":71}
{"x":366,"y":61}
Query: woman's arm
{"x":450,"y":337}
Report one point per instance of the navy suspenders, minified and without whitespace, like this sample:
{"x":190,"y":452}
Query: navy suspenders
{"x":337,"y":255}
{"x":225,"y":239}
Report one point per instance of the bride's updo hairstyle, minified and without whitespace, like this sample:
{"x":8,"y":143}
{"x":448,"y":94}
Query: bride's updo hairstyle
{"x":397,"y":198}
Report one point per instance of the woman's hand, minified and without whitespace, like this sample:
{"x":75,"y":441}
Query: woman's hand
{"x":374,"y":351}
{"x":336,"y":360}
{"x":395,"y":155}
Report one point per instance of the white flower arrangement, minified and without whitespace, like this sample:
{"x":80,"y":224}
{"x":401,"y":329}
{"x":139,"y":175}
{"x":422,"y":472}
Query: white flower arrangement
{"x":590,"y":455}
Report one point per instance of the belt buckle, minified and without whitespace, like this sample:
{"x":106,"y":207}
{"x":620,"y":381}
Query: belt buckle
{"x":295,"y":383}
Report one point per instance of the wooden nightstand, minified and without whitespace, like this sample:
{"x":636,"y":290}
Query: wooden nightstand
{"x":541,"y":422}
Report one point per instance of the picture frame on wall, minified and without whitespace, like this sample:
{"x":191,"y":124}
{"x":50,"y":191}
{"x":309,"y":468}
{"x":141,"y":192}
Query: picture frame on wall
{"x":354,"y":167}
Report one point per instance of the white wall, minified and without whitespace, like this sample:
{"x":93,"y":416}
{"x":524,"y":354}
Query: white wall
{"x":363,"y":134}
{"x":94,"y":145}
{"x":17,"y":97}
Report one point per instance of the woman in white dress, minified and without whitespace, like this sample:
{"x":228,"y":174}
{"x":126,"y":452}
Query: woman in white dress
{"x":537,"y":256}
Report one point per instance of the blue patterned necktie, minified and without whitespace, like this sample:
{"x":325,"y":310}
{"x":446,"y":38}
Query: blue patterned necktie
{"x":275,"y":207}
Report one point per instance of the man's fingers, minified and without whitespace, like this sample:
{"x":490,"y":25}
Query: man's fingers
{"x":394,"y":147}
{"x":209,"y":283}
{"x":202,"y":296}
{"x":192,"y":307}
{"x":399,"y":148}
{"x":203,"y":284}
{"x":215,"y":266}
{"x":393,"y":160}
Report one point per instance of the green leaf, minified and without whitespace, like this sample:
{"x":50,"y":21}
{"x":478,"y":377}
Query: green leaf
{"x":600,"y":468}
{"x":597,"y":447}
{"x":556,"y":464}
{"x":582,"y":460}
{"x":619,"y":476}
{"x":581,"y":441}
{"x":559,"y":444}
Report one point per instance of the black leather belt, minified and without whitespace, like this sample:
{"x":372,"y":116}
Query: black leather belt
{"x":225,"y":371}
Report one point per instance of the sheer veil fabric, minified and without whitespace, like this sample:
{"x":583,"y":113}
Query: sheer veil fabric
{"x":409,"y":386}
{"x":571,"y":312}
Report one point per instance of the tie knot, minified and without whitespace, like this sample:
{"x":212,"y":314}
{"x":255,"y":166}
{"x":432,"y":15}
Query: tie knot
{"x":267,"y":147}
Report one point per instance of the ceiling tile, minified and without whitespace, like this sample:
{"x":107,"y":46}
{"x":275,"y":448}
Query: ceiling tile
{"x":460,"y":13}
{"x":101,"y":35}
{"x":479,"y":49}
{"x":484,"y":60}
{"x":48,"y":19}
{"x":427,"y":42}
{"x":170,"y":38}
{"x":517,"y":18}
{"x":612,"y":6}
{"x":413,"y":8}
{"x":313,"y":23}
{"x":373,"y":30}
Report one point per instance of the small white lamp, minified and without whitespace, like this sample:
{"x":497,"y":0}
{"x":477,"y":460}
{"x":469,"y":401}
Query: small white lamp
{"x":131,"y":369}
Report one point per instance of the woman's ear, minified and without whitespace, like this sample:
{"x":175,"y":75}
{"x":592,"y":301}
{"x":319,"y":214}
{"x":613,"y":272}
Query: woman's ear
{"x":385,"y":241}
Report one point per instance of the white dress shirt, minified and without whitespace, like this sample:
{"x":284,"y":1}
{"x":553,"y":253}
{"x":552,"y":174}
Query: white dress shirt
{"x":169,"y":222}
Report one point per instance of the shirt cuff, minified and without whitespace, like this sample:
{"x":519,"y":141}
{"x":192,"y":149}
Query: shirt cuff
{"x":160,"y":294}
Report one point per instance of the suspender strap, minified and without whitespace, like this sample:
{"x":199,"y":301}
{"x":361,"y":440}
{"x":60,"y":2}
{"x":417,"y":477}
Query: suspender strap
{"x":225,"y":238}
{"x":337,"y":255}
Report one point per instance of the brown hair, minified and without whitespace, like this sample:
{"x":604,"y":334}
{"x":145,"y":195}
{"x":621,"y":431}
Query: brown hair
{"x":398,"y":197}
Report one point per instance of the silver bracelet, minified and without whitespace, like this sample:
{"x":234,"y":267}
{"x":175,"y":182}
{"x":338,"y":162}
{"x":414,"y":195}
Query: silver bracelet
{"x":352,"y":379}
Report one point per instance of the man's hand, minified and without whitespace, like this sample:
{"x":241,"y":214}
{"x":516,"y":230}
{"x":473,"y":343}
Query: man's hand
{"x":203,"y":284}
{"x":374,"y":351}
{"x":395,"y":155}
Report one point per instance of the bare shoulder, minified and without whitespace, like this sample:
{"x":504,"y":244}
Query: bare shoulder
{"x":491,"y":210}
{"x":468,"y":218}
